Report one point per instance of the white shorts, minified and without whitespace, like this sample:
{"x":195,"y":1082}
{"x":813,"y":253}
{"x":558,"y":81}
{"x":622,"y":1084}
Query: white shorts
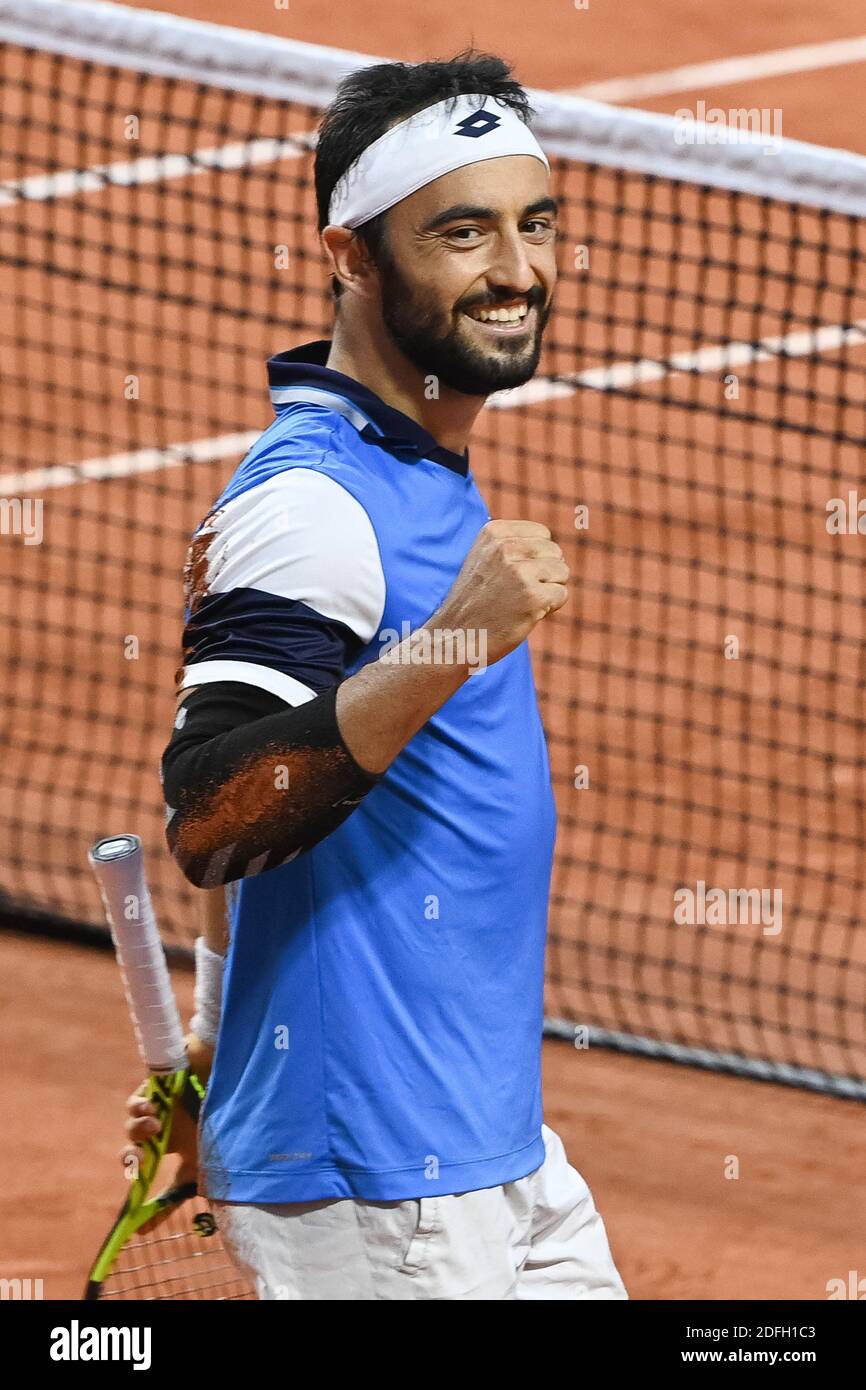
{"x":537,"y":1238}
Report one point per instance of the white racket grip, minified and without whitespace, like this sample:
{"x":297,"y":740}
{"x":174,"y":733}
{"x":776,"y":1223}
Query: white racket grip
{"x":118,"y":863}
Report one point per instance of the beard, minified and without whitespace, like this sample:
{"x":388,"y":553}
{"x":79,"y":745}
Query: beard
{"x":433,"y":339}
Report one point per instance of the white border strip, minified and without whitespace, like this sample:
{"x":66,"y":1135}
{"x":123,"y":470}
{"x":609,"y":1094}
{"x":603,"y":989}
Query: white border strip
{"x":287,"y":688}
{"x":647,"y":142}
{"x":573,"y":127}
{"x":188,"y":49}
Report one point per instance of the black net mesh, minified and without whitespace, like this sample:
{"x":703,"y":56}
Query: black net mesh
{"x":701,"y":396}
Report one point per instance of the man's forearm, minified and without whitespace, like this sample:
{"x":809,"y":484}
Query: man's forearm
{"x":385,"y":704}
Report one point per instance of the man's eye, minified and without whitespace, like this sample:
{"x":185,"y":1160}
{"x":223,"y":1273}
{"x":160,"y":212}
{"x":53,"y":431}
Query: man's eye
{"x":464,"y":233}
{"x":538,"y":226}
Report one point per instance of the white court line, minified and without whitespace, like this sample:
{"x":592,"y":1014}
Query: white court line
{"x":151,"y":169}
{"x":807,"y":57}
{"x":617,"y":376}
{"x":149,"y":460}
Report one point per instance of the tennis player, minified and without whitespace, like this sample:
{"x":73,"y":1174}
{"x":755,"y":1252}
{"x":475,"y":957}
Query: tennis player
{"x":358,"y":750}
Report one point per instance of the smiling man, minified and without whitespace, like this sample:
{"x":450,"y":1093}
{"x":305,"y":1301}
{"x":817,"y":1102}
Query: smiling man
{"x":373,"y":1124}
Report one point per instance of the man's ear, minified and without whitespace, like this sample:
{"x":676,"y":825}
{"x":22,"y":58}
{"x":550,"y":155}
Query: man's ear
{"x":349,"y":260}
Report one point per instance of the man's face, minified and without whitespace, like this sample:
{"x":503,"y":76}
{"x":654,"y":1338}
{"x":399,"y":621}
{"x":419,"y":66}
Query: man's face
{"x":467,"y":273}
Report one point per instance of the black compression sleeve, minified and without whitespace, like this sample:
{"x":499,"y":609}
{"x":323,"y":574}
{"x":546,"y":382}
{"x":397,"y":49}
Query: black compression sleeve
{"x":250,"y":782}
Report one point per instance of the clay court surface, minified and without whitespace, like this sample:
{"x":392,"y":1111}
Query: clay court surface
{"x":654,"y":1140}
{"x":651,"y":1138}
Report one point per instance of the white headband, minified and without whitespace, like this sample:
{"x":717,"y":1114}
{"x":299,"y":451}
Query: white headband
{"x":454,"y":132}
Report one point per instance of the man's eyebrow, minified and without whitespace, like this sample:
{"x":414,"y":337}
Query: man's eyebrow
{"x":473,"y":212}
{"x":548,"y":204}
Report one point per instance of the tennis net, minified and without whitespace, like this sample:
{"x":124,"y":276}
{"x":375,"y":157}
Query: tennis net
{"x":700,"y":403}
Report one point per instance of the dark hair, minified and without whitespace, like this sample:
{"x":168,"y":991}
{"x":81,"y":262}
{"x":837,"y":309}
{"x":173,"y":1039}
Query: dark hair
{"x":372,"y":99}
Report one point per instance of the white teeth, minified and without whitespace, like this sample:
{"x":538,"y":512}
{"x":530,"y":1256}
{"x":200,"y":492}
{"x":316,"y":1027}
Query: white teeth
{"x":512,"y":315}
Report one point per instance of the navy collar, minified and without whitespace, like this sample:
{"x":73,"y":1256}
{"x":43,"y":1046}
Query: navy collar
{"x":382,"y":424}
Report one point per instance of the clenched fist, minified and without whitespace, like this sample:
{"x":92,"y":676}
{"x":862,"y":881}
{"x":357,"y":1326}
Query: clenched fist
{"x":513,"y":576}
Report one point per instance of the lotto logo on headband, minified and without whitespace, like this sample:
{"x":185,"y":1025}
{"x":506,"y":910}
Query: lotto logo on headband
{"x":420,"y":150}
{"x":479,"y":123}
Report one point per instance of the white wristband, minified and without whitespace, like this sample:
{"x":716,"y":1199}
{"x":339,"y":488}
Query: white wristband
{"x":209,"y":968}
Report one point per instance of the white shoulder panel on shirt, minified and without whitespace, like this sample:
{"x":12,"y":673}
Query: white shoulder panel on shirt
{"x":301,"y":536}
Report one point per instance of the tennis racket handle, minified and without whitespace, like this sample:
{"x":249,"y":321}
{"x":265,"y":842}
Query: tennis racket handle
{"x":118,"y":863}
